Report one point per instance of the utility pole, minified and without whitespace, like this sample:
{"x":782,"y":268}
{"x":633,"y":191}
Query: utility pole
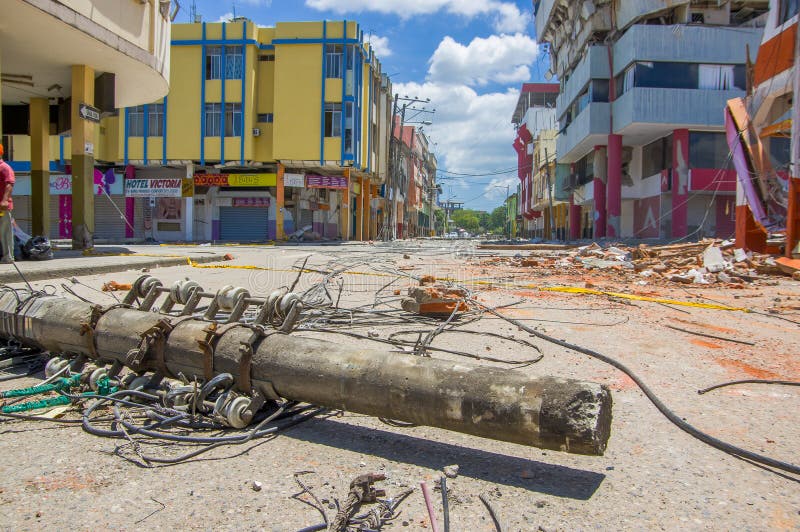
{"x":508,"y":216}
{"x":550,"y":194}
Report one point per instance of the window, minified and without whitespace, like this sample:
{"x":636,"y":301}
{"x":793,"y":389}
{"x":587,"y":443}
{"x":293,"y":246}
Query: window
{"x":136,"y":121}
{"x":155,"y":120}
{"x":333,"y":120}
{"x":266,"y":57}
{"x":716,"y":77}
{"x":666,"y":75}
{"x":657,"y":156}
{"x":233,"y":119}
{"x":213,"y":120}
{"x":334,"y":55}
{"x":266,"y":118}
{"x":233,"y":62}
{"x":708,"y":150}
{"x":788,"y":9}
{"x":599,"y":90}
{"x":213,"y":62}
{"x":584,"y":169}
{"x":348,"y":128}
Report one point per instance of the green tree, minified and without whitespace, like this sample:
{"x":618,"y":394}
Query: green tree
{"x":467,"y":220}
{"x":497,"y":220}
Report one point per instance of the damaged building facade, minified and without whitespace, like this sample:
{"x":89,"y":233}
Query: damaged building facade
{"x":542,"y":209}
{"x":640,"y":113}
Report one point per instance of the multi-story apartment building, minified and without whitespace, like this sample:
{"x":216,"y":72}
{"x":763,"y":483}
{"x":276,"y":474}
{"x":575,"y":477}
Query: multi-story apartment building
{"x":66,"y":65}
{"x":535,"y":120}
{"x":264,"y":131}
{"x":643,"y":89}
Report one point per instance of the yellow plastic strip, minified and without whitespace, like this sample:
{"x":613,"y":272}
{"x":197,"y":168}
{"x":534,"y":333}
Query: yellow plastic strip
{"x":576,"y":290}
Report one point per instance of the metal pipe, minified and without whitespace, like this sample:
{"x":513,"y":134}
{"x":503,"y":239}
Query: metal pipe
{"x":547,"y":412}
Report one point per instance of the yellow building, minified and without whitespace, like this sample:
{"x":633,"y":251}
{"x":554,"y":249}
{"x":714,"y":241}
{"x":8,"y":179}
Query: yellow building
{"x":279,"y":127}
{"x":264,"y":131}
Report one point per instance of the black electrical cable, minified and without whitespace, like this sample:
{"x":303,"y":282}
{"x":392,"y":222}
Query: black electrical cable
{"x":485,"y":500}
{"x":669,"y":414}
{"x":748,"y":381}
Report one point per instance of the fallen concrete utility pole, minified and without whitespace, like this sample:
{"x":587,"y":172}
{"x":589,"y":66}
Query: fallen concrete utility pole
{"x":547,"y":412}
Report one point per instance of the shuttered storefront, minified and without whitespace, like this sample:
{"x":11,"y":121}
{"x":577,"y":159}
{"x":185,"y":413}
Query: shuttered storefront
{"x":243,"y":224}
{"x":108,"y":224}
{"x":22,"y":212}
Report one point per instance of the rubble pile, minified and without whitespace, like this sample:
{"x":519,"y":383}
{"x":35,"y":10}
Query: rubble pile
{"x":705,"y":262}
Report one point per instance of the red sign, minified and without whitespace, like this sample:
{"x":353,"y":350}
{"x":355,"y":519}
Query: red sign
{"x":211,"y":180}
{"x":251,"y":202}
{"x":326,"y":181}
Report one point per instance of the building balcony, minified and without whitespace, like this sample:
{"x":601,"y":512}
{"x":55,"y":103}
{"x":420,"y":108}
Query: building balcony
{"x":687,"y":44}
{"x":643,"y":109}
{"x":594,"y":66}
{"x":590,"y":128}
{"x":42,"y":39}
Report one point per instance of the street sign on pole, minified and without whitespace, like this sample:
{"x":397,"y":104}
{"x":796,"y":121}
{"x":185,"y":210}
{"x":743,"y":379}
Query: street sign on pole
{"x":87,"y":112}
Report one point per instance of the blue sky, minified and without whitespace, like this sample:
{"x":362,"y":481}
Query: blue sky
{"x":470,"y":57}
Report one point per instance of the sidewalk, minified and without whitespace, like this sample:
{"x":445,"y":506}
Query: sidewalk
{"x":106,"y":259}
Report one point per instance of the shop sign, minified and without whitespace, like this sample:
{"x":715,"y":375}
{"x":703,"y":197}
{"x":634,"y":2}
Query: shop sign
{"x":160,"y":188}
{"x":187,"y":187}
{"x":326,"y":181}
{"x":235,"y":180}
{"x":60,"y":184}
{"x":251,"y":202}
{"x":294,"y":180}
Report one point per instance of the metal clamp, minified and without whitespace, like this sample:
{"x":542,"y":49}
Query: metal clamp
{"x":155,"y":338}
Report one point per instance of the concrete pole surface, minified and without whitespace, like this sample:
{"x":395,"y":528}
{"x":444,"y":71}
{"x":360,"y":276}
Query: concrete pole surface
{"x":500,"y":404}
{"x":614,"y":186}
{"x":680,"y":183}
{"x":280,"y":201}
{"x":40,"y":166}
{"x":82,"y":161}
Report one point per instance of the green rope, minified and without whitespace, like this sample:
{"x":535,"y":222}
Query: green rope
{"x":61,"y":400}
{"x":60,"y":384}
{"x":36,"y":405}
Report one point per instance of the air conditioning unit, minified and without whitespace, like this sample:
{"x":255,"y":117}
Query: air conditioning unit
{"x":256,"y":132}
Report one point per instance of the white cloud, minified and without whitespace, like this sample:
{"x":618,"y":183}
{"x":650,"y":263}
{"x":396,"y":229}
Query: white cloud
{"x":380,"y":45}
{"x":498,"y":58}
{"x":508,"y":17}
{"x":473,"y":134}
{"x":226,"y":17}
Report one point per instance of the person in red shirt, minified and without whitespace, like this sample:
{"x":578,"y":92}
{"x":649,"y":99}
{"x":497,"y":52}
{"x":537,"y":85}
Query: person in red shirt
{"x":7,"y":181}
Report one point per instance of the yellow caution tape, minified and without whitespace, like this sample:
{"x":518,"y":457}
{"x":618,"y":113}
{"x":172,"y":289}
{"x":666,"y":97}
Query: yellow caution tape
{"x":562,"y":289}
{"x":576,"y":290}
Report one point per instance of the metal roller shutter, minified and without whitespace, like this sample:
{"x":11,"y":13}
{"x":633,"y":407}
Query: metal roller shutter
{"x":138,"y":217}
{"x":306,"y":218}
{"x":22,"y":212}
{"x":108,"y":224}
{"x":54,"y":216}
{"x":243,"y":224}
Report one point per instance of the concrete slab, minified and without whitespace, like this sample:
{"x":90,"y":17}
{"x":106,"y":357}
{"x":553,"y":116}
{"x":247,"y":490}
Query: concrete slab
{"x":105,"y":259}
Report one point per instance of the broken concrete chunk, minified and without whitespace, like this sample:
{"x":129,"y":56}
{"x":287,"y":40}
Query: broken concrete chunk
{"x":435,"y":300}
{"x":739,"y":255}
{"x":713,"y":261}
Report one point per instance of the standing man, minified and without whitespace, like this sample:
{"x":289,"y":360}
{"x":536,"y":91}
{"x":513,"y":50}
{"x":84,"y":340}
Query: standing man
{"x":6,"y":206}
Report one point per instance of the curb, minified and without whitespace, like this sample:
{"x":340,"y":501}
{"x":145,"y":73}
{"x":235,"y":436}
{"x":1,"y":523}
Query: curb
{"x":13,"y":276}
